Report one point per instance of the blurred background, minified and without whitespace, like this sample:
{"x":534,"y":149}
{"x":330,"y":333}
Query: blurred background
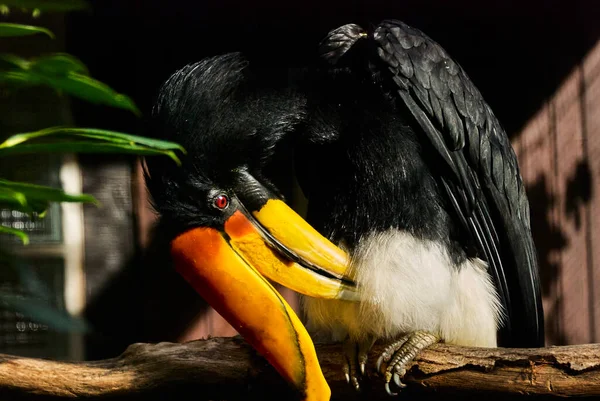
{"x":537,"y":64}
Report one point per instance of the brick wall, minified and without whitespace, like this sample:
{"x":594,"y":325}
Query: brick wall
{"x":559,"y":153}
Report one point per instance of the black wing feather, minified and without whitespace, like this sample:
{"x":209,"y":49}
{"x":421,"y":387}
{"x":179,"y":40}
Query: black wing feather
{"x":483,"y":184}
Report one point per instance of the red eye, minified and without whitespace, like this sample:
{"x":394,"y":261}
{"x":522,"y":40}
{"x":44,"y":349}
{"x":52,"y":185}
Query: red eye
{"x":221,"y":202}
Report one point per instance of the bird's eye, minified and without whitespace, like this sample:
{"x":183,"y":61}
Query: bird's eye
{"x":221,"y":201}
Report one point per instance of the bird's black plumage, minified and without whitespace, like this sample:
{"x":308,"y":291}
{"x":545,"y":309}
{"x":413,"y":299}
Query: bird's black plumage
{"x":389,"y":134}
{"x":364,"y":169}
{"x":452,"y":147}
{"x":227,"y":115}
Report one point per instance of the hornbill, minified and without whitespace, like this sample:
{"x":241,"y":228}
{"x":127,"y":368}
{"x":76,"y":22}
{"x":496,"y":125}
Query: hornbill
{"x":419,"y":222}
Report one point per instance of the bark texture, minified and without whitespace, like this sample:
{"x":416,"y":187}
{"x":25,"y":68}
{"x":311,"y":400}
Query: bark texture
{"x":228,"y":369}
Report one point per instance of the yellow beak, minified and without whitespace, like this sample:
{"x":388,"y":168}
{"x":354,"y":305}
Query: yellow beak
{"x":286,"y":249}
{"x":230,"y":270}
{"x":252,"y":306}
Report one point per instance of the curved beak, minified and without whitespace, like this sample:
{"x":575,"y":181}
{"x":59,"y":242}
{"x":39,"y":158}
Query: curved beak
{"x":284,"y":248}
{"x":265,"y":239}
{"x":252,"y":306}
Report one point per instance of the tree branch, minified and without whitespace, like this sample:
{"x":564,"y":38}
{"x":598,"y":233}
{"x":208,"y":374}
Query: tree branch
{"x":228,"y":369}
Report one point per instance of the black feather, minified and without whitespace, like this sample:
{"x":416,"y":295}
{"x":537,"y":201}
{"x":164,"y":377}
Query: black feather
{"x":339,"y":41}
{"x":228,"y":115}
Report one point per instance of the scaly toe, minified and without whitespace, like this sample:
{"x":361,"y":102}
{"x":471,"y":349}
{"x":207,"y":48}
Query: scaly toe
{"x":357,"y":354}
{"x":396,"y":357}
{"x":351,"y":365}
{"x":389,"y":352}
{"x":399,"y":370}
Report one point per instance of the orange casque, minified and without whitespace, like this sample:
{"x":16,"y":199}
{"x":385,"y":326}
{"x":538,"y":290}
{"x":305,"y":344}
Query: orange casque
{"x":249,"y":302}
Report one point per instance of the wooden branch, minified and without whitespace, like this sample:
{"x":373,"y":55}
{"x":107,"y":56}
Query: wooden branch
{"x":228,"y":369}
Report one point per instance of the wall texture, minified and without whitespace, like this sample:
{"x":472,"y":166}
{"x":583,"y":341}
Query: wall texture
{"x":559,"y":152}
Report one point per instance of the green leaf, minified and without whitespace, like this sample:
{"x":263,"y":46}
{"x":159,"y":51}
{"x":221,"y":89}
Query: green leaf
{"x":87,"y":140}
{"x":91,"y":90}
{"x":13,"y":60}
{"x":55,"y":63}
{"x":19,"y":78}
{"x":10,"y":197}
{"x":88,"y":147}
{"x":37,"y":193}
{"x":73,"y":83}
{"x":93,"y":133}
{"x":30,"y":198}
{"x":32,"y":207}
{"x":58,"y":64}
{"x":65,"y":73}
{"x":48,"y":5}
{"x":41,"y":312}
{"x":27,"y":206}
{"x":13,"y":231}
{"x":11,"y":30}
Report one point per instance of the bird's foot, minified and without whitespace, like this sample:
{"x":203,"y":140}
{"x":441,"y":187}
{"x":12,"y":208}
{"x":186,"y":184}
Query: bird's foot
{"x":356,"y":354}
{"x":393,"y":361}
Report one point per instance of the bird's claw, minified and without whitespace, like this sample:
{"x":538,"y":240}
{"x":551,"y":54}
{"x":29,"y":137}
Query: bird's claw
{"x":389,"y":352}
{"x":387,"y":389}
{"x":397,"y":380}
{"x":379,"y":363}
{"x":351,"y":371}
{"x":399,"y":354}
{"x":356,"y":360}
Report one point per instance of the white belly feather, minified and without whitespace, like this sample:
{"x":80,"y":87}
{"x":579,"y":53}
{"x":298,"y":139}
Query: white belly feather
{"x":408,"y":284}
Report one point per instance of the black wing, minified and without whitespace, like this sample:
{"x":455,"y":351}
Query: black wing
{"x":483,"y":181}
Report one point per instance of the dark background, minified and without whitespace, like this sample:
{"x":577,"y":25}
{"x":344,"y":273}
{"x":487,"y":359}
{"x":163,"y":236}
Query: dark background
{"x":516,"y":52}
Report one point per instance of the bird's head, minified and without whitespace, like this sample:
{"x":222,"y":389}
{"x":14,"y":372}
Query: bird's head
{"x":230,"y":119}
{"x":229,"y":225}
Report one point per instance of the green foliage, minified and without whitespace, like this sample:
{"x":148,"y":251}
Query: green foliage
{"x":56,"y":63}
{"x":31,"y":198}
{"x":64,"y":73}
{"x":8,"y":30}
{"x":67,"y":75}
{"x":86,"y":140}
{"x":13,"y":231}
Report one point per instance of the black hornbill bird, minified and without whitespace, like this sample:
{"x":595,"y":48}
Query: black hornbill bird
{"x":419,"y":222}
